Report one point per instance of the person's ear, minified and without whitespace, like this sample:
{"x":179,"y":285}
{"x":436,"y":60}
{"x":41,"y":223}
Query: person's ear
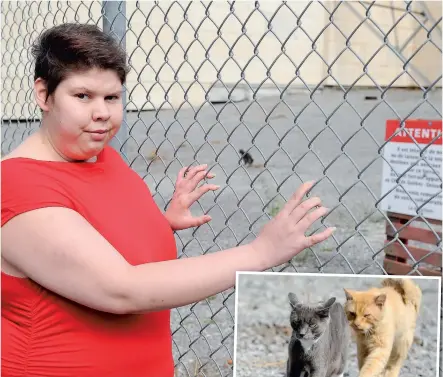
{"x":40,"y":93}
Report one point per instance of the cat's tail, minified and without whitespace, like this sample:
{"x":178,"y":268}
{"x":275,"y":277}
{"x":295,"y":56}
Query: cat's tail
{"x":408,"y":290}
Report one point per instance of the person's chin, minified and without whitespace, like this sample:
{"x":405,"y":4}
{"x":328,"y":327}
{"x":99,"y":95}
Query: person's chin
{"x":92,"y":150}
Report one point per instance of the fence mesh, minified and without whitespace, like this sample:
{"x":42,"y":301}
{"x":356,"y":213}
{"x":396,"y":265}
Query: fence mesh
{"x":305,"y":88}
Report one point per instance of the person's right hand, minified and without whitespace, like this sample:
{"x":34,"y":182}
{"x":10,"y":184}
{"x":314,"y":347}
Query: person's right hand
{"x":284,"y":236}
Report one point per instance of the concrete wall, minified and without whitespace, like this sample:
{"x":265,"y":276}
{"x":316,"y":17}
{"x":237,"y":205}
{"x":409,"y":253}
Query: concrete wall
{"x":201,"y":45}
{"x":366,"y":40}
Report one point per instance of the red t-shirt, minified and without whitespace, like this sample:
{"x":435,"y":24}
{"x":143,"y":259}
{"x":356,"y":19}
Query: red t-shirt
{"x":44,"y":334}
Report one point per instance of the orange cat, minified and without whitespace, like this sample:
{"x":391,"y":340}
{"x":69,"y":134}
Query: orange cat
{"x":383,"y":320}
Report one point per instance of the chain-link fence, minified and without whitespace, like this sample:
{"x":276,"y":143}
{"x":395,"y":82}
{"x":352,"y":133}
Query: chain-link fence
{"x":306,"y":88}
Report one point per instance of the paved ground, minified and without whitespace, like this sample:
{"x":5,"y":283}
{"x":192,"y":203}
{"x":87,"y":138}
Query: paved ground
{"x":291,"y":141}
{"x":264,"y":329}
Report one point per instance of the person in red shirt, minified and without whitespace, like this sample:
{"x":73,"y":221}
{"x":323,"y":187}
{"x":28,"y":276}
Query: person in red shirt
{"x":89,"y":262}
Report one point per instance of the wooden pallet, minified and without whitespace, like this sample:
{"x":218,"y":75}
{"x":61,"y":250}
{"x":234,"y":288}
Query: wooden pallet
{"x":397,"y":261}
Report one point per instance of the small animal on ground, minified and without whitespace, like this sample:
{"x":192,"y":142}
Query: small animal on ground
{"x":383,"y":320}
{"x":246,"y":157}
{"x":319,"y":343}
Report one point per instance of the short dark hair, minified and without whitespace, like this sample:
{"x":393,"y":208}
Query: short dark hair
{"x":76,"y":47}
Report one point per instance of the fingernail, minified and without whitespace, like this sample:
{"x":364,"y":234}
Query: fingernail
{"x":333,"y":229}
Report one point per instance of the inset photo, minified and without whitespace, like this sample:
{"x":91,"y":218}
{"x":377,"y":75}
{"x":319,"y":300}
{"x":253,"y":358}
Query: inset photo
{"x":330,"y":325}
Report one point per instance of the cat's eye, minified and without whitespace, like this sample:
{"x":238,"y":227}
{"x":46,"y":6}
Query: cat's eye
{"x":351,"y":315}
{"x":367,"y":315}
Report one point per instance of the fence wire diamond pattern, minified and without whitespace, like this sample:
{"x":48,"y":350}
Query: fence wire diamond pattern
{"x":286,"y":82}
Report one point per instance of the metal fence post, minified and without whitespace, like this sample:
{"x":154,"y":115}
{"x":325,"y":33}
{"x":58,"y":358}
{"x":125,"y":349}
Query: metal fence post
{"x":184,"y":107}
{"x":114,"y":23}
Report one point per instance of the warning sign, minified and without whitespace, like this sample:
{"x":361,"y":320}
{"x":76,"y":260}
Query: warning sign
{"x":411,"y":173}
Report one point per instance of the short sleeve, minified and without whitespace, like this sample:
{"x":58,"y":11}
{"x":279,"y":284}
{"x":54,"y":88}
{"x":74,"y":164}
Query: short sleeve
{"x":26,"y":186}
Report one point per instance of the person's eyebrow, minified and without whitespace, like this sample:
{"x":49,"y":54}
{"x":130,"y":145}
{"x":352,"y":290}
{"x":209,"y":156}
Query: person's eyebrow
{"x":84,"y":89}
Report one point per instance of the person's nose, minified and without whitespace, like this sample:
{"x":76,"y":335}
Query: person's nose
{"x":100,"y":111}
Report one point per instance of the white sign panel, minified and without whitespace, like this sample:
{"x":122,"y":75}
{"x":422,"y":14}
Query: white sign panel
{"x":423,"y":178}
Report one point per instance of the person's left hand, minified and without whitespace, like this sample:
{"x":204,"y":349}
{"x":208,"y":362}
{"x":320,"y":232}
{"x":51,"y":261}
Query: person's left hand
{"x":186,"y":193}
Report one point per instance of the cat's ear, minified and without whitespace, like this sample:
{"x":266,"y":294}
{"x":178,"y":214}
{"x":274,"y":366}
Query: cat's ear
{"x":293,"y":300}
{"x":380,"y":300}
{"x":323,"y":311}
{"x":329,"y":303}
{"x":348,"y":294}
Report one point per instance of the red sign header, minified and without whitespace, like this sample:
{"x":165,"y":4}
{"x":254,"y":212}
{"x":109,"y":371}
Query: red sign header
{"x":422,"y":131}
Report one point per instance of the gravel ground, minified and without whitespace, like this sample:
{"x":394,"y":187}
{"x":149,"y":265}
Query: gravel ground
{"x":263,"y":328}
{"x":327,"y":143}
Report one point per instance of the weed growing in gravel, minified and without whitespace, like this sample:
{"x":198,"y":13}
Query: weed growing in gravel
{"x":276,"y":206}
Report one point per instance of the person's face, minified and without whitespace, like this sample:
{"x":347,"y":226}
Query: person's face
{"x":83,"y":113}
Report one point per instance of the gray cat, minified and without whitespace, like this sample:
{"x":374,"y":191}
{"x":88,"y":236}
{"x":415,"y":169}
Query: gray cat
{"x":319,"y":341}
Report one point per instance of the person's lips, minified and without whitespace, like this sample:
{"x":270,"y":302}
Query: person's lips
{"x":102,"y":131}
{"x":98,"y":135}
